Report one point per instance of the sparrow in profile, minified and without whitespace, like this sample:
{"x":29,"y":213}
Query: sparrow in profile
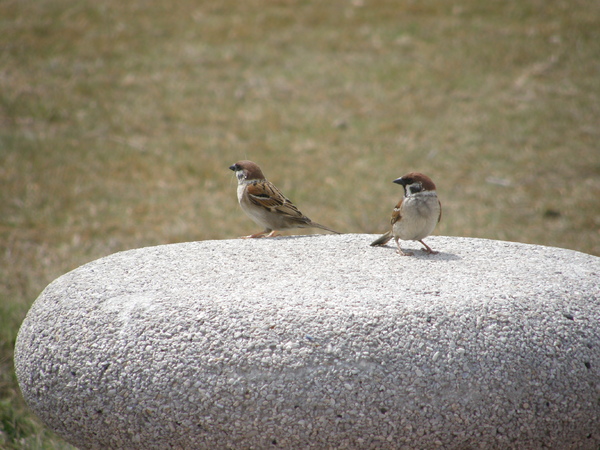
{"x":265,"y":204}
{"x":416,"y":214}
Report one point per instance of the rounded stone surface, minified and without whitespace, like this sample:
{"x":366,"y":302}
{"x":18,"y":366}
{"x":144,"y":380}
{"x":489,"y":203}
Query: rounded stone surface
{"x":319,"y":341}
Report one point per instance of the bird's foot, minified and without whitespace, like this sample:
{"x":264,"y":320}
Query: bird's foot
{"x":254,"y":236}
{"x":262,"y":234}
{"x":428,"y":249}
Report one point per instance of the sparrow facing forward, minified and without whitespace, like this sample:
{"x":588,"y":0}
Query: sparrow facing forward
{"x":265,"y":204}
{"x":416,"y":215}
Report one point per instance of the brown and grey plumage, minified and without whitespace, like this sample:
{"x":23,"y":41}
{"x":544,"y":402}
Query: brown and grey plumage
{"x":416,"y":214}
{"x":265,"y":204}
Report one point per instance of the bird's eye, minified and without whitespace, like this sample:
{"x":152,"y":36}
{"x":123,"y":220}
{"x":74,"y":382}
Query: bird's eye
{"x":416,"y":187}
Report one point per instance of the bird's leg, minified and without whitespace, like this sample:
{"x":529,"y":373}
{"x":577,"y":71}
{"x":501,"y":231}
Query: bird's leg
{"x":272,"y":234}
{"x":428,"y":249}
{"x":258,"y":235}
{"x":399,"y":251}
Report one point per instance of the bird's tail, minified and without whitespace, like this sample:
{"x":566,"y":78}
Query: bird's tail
{"x":382,"y":240}
{"x":323,"y":227}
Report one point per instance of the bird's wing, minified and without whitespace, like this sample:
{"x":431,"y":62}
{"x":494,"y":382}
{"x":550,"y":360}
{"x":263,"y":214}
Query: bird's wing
{"x":396,"y":213}
{"x":266,"y":195}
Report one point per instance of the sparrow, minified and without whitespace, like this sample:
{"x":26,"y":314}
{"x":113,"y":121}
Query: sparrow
{"x":416,"y":214}
{"x":265,"y":204}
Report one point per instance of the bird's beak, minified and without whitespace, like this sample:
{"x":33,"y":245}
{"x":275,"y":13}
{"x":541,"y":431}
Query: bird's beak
{"x":232,"y":167}
{"x":399,"y":181}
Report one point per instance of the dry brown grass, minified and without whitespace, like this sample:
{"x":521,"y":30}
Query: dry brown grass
{"x":118,"y":121}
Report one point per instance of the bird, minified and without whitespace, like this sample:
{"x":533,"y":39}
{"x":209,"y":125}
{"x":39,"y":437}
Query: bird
{"x":265,"y":204}
{"x":416,"y":214}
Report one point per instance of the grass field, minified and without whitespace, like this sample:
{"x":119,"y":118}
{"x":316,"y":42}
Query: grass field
{"x":118,"y":121}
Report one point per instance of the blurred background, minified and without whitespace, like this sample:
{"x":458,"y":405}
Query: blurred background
{"x":118,"y":121}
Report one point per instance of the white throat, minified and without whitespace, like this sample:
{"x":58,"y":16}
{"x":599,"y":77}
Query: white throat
{"x":241,"y":178}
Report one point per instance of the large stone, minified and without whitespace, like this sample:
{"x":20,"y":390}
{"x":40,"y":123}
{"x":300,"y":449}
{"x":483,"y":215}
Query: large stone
{"x":319,"y":341}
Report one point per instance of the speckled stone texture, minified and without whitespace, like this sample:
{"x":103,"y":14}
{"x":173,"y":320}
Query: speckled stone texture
{"x":319,"y":342}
